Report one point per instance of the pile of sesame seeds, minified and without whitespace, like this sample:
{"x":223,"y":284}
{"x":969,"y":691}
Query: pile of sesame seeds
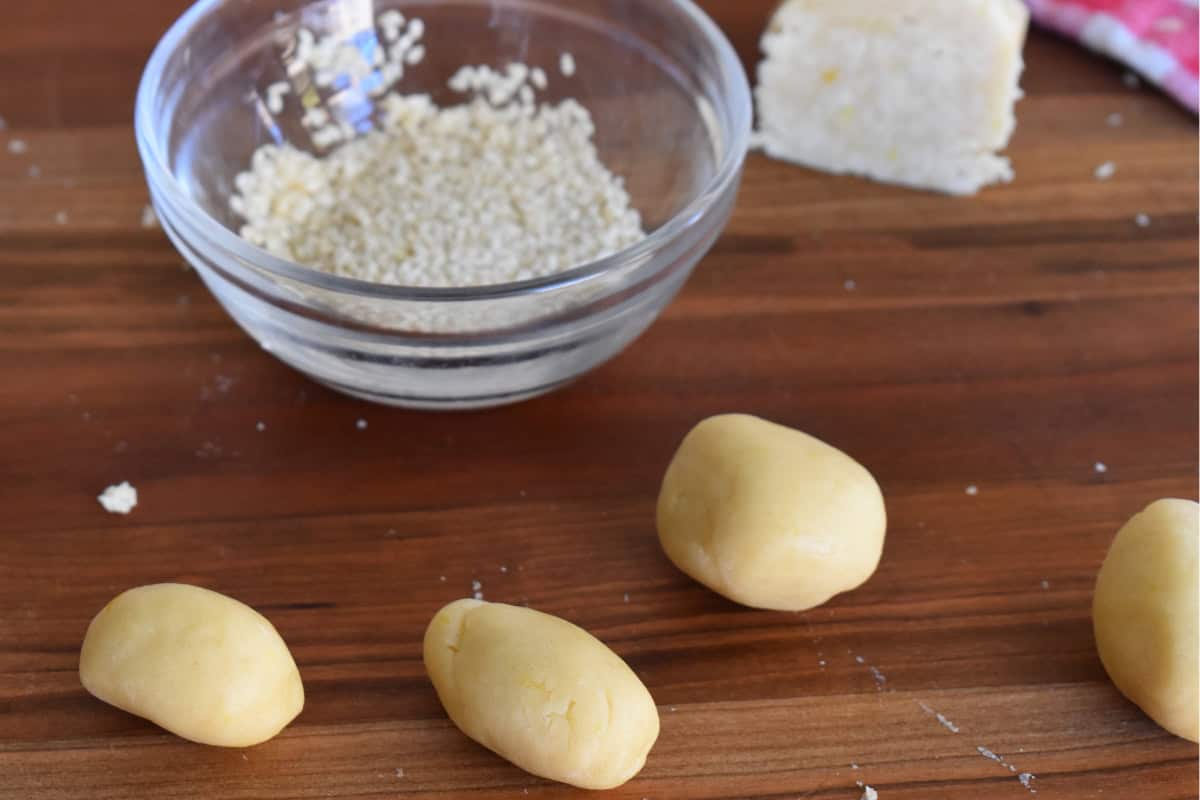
{"x":495,"y":189}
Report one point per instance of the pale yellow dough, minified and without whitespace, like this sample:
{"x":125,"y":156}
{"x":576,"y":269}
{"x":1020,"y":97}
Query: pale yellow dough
{"x":1145,"y":614}
{"x":197,"y":663}
{"x":768,"y":516}
{"x":541,"y":692}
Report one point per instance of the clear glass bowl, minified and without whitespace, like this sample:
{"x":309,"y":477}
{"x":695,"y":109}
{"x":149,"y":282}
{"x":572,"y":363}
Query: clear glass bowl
{"x":673,"y":115}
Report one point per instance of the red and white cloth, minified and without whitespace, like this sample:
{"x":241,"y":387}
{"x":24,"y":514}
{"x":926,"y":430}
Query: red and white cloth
{"x":1156,"y":38}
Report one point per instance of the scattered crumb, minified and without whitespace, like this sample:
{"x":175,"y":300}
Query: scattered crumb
{"x":35,"y":171}
{"x":224,"y":383}
{"x":1115,"y":120}
{"x":1100,"y":467}
{"x":119,"y":499}
{"x":972,"y":490}
{"x":442,"y":578}
{"x":399,"y":772}
{"x":361,"y":424}
{"x":1105,"y":171}
{"x":503,"y":569}
{"x":671,"y":709}
{"x":183,"y":300}
{"x":1045,"y":585}
{"x":1142,"y":220}
{"x":208,"y":450}
{"x":942,"y":719}
{"x":869,"y":794}
{"x":121,"y":446}
{"x":260,"y":426}
{"x":477,"y":590}
{"x":821,"y":663}
{"x":983,"y":751}
{"x":1027,"y":779}
{"x":61,"y":218}
{"x":245,"y":757}
{"x":149,"y":218}
{"x":853,"y":765}
{"x":1131,"y":80}
{"x":850,"y":285}
{"x":566,"y":65}
{"x":18,"y":146}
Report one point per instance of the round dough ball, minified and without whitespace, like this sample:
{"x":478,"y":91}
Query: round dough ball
{"x":768,"y":516}
{"x":540,"y":692}
{"x":200,"y":664}
{"x":1145,"y":614}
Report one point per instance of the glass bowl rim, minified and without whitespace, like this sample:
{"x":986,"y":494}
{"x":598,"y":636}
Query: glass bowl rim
{"x":163,"y":179}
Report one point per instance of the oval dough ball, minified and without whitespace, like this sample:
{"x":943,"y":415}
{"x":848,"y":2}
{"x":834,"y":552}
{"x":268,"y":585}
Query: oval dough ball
{"x":200,"y":664}
{"x":1145,"y":614}
{"x":768,"y":516}
{"x":541,"y":692}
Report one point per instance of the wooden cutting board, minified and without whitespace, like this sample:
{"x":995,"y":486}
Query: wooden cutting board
{"x":1013,"y":342}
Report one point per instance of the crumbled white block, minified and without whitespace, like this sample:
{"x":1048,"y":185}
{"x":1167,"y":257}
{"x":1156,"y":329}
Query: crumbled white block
{"x":120,"y":499}
{"x":915,"y":92}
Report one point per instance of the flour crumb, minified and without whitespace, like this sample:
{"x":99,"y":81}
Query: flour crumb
{"x":149,"y":219}
{"x":983,"y":751}
{"x":442,"y":578}
{"x":399,"y":772}
{"x":869,"y":794}
{"x":477,"y":590}
{"x":1027,"y":779}
{"x":18,"y":146}
{"x":853,"y":765}
{"x":942,"y":719}
{"x":850,"y":285}
{"x":34,"y":171}
{"x":1115,"y":120}
{"x":1142,"y":220}
{"x":503,"y":569}
{"x":972,"y":490}
{"x":362,"y":425}
{"x":260,"y":426}
{"x":567,"y":65}
{"x":62,"y":218}
{"x":1100,"y":467}
{"x":119,"y":499}
{"x":626,"y":597}
{"x":1045,"y":585}
{"x":880,"y":678}
{"x":1105,"y":171}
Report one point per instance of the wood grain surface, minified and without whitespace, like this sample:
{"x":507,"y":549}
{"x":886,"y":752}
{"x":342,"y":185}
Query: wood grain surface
{"x":1009,"y":342}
